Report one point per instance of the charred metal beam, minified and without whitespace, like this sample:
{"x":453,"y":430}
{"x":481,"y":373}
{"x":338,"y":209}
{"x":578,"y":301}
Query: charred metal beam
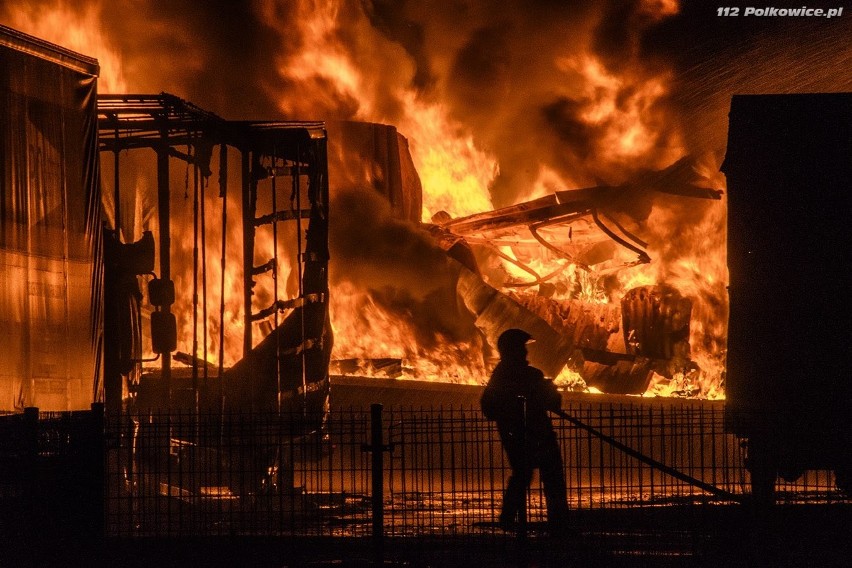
{"x":282,"y":305}
{"x":527,"y":213}
{"x":265,"y":267}
{"x":164,"y":217}
{"x":283,"y":215}
{"x":643,"y":256}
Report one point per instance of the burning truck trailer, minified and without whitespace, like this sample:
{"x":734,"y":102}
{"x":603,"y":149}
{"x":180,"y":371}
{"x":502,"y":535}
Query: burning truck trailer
{"x":788,"y":170}
{"x":789,"y":394}
{"x":278,"y":390}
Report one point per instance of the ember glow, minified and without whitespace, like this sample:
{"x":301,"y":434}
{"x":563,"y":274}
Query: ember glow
{"x":500,"y":105}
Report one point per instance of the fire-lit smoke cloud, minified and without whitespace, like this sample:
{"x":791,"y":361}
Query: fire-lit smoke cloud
{"x":570,"y":112}
{"x":590,"y":110}
{"x":533,"y":82}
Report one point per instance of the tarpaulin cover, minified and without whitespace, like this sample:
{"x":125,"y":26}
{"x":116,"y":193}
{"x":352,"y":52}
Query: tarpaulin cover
{"x":49,"y":226}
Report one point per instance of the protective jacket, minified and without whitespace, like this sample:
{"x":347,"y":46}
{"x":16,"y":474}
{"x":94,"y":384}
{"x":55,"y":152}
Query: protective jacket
{"x":513,"y":379}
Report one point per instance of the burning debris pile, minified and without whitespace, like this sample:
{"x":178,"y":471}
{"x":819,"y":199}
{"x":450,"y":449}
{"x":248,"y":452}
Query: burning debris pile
{"x":567,"y":259}
{"x":565,"y":267}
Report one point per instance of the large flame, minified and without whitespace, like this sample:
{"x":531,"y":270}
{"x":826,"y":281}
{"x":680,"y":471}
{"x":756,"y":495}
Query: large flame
{"x":455,"y":173}
{"x":621,"y":109}
{"x":558,"y":112}
{"x":628,"y":132}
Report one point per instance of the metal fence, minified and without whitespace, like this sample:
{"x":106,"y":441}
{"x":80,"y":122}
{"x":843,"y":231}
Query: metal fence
{"x":642,"y":478}
{"x":440,"y":470}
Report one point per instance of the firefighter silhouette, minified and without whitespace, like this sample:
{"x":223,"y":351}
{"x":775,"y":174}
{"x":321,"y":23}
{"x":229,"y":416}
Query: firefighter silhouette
{"x":518,"y":397}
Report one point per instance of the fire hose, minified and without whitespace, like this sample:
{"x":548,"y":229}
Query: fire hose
{"x":721,"y":493}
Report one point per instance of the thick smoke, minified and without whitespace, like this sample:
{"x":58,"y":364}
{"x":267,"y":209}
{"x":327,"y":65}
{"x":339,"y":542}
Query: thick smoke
{"x":481,"y":61}
{"x":398,"y":265}
{"x":378,"y":250}
{"x":509,"y":72}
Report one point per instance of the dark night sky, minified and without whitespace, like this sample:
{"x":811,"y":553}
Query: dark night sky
{"x":716,"y":57}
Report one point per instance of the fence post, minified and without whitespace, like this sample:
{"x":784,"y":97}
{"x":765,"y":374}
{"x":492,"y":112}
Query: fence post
{"x":377,"y":447}
{"x":95,"y":462}
{"x":525,"y":463}
{"x":31,"y":470}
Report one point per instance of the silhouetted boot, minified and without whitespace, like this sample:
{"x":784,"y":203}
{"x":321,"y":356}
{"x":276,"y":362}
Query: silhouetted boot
{"x":508,"y":520}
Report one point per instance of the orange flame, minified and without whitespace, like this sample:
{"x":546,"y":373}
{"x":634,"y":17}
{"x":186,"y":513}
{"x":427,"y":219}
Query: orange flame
{"x":455,"y":174}
{"x":75,"y":30}
{"x":629,"y":123}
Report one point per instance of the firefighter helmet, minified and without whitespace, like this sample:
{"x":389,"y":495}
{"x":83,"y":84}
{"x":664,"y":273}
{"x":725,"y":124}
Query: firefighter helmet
{"x":511,"y":340}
